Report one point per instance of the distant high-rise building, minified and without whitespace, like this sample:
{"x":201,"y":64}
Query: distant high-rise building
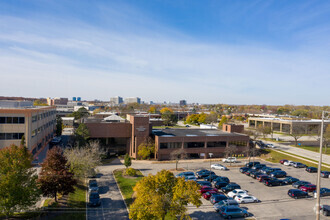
{"x":132,"y":100}
{"x":183,"y":102}
{"x":116,"y":100}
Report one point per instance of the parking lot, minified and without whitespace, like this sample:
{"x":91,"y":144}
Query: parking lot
{"x":275,"y":203}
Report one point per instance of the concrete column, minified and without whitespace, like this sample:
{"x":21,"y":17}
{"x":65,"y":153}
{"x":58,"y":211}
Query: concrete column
{"x":281,"y":125}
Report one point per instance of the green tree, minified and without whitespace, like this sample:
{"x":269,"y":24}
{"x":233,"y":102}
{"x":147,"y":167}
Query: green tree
{"x":127,"y":161}
{"x":59,"y":126}
{"x":146,"y":148}
{"x":18,"y":185}
{"x":82,"y":112}
{"x":23,"y":141}
{"x":168,"y":116}
{"x":82,"y":134}
{"x":55,"y":176}
{"x":162,"y":194}
{"x":223,"y":120}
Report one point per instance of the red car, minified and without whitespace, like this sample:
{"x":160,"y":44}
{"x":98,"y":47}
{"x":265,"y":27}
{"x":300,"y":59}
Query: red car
{"x":282,"y":161}
{"x":308,"y":188}
{"x":208,"y":194}
{"x":205,"y":189}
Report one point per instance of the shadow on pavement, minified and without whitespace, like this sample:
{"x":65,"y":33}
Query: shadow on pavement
{"x":103,"y":189}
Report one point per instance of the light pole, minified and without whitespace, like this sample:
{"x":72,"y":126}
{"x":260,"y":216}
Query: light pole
{"x":318,"y":184}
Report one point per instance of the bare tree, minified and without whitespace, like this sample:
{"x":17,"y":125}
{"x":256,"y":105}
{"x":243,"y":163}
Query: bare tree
{"x":252,"y":133}
{"x":230,"y":150}
{"x":264,"y":130}
{"x":250,"y":151}
{"x":297,"y":132}
{"x":177,"y":155}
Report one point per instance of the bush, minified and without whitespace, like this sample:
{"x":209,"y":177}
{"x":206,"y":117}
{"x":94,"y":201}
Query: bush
{"x":130,"y":172}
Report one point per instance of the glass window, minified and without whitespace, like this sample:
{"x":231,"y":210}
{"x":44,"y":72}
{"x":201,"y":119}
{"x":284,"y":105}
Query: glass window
{"x":15,"y":120}
{"x":2,"y":120}
{"x":194,"y":145}
{"x":216,"y":144}
{"x":15,"y":136}
{"x":21,"y":120}
{"x":2,"y":136}
{"x":34,"y":118}
{"x":9,"y":120}
{"x":9,"y":136}
{"x":20,"y":135}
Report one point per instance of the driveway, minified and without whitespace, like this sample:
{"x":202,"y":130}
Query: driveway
{"x":112,"y":203}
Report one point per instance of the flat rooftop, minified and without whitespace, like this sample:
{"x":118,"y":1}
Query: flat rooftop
{"x":290,"y":120}
{"x":192,"y":132}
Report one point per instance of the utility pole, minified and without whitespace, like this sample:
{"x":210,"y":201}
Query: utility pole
{"x":318,"y":184}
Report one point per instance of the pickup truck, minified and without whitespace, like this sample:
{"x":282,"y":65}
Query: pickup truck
{"x":229,"y":160}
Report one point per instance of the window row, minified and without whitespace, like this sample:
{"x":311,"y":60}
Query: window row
{"x":43,"y":115}
{"x":11,"y":136}
{"x":12,"y":120}
{"x":41,"y":128}
{"x":238,"y":143}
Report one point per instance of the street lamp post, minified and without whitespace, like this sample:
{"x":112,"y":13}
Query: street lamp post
{"x":318,"y":184}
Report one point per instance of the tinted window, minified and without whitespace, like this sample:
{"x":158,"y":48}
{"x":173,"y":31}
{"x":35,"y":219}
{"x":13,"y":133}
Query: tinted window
{"x":21,"y":120}
{"x":15,"y":120}
{"x":2,"y":136}
{"x":9,"y":120}
{"x":2,"y":120}
{"x":9,"y":136}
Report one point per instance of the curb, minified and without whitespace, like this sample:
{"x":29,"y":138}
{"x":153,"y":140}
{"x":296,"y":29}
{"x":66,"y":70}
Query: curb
{"x":120,"y":192}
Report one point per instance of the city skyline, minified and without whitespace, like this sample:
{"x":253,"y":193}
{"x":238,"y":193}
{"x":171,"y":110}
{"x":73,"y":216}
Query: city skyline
{"x":243,"y":52}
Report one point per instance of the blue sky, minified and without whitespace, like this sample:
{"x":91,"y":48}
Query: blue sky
{"x":233,"y":51}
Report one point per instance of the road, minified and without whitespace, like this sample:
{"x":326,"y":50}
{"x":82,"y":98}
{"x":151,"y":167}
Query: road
{"x":112,"y":203}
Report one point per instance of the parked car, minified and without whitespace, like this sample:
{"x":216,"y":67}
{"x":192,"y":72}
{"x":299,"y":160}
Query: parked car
{"x":94,"y":199}
{"x":248,"y":172}
{"x":299,"y":165}
{"x":218,"y":167}
{"x":262,"y":178}
{"x":243,"y":169}
{"x":288,"y":163}
{"x":203,"y":173}
{"x":290,"y":180}
{"x":221,"y":178}
{"x":232,"y":212}
{"x":204,"y":183}
{"x":205,"y":189}
{"x":192,"y":178}
{"x":258,"y":166}
{"x":297,"y":193}
{"x":311,"y":169}
{"x":219,"y":184}
{"x":246,"y":199}
{"x":230,"y":187}
{"x":273,"y":182}
{"x":211,"y":177}
{"x":215,"y":198}
{"x":283,"y":161}
{"x":299,"y":184}
{"x":229,"y":160}
{"x":278,"y":174}
{"x":208,"y":194}
{"x":308,"y":188}
{"x":251,"y":164}
{"x":323,"y":192}
{"x":325,"y":174}
{"x":271,"y":146}
{"x":325,"y":209}
{"x":254,"y":174}
{"x":92,"y":186}
{"x":184,"y":174}
{"x":227,"y":202}
{"x":237,"y":192}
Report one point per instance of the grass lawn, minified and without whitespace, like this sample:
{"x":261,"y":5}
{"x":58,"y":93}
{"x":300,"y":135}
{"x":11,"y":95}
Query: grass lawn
{"x":126,"y":185}
{"x":313,"y":148}
{"x":78,"y":198}
{"x":275,"y":157}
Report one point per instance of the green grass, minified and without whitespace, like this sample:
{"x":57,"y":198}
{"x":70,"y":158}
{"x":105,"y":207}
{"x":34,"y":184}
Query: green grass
{"x":313,"y":148}
{"x":275,"y":157}
{"x":78,"y":198}
{"x":126,"y":185}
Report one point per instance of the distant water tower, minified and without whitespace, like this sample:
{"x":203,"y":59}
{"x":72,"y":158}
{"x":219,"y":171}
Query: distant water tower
{"x":78,"y":99}
{"x":74,"y":99}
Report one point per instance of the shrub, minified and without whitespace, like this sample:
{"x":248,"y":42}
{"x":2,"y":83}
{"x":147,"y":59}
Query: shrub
{"x":130,"y":172}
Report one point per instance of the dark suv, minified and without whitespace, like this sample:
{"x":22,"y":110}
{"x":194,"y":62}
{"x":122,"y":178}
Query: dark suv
{"x":251,"y":164}
{"x":290,"y":180}
{"x":311,"y":169}
{"x":278,"y":174}
{"x":273,"y":182}
{"x":297,"y":193}
{"x":204,"y":173}
{"x":230,"y":187}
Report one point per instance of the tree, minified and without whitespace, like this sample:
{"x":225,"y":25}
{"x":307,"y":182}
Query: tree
{"x":162,"y":194}
{"x":250,"y":151}
{"x":297,"y":132}
{"x":265,"y":130}
{"x":146,"y":148}
{"x":127,"y":161}
{"x":83,"y":159}
{"x":177,"y":155}
{"x":223,"y":120}
{"x":82,"y":134}
{"x":55,"y":176}
{"x":23,"y":141}
{"x":82,"y":112}
{"x":18,"y":185}
{"x":39,"y":103}
{"x":211,"y":118}
{"x":326,"y":138}
{"x":168,"y":116}
{"x":152,"y":110}
{"x":230,"y":150}
{"x":59,"y":126}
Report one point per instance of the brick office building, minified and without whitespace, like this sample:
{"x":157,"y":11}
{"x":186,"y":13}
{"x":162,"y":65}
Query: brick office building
{"x":127,"y":135}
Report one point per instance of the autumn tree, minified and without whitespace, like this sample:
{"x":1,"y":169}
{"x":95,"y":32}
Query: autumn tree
{"x":59,"y":126}
{"x":168,"y":116}
{"x":146,"y":148}
{"x":223,"y":120}
{"x":297,"y":132}
{"x":163,"y":194}
{"x":39,"y":103}
{"x":55,"y":176}
{"x":177,"y":155}
{"x":83,"y":159}
{"x":211,"y":118}
{"x":82,"y":134}
{"x":127,"y":161}
{"x":152,"y":110}
{"x":18,"y":185}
